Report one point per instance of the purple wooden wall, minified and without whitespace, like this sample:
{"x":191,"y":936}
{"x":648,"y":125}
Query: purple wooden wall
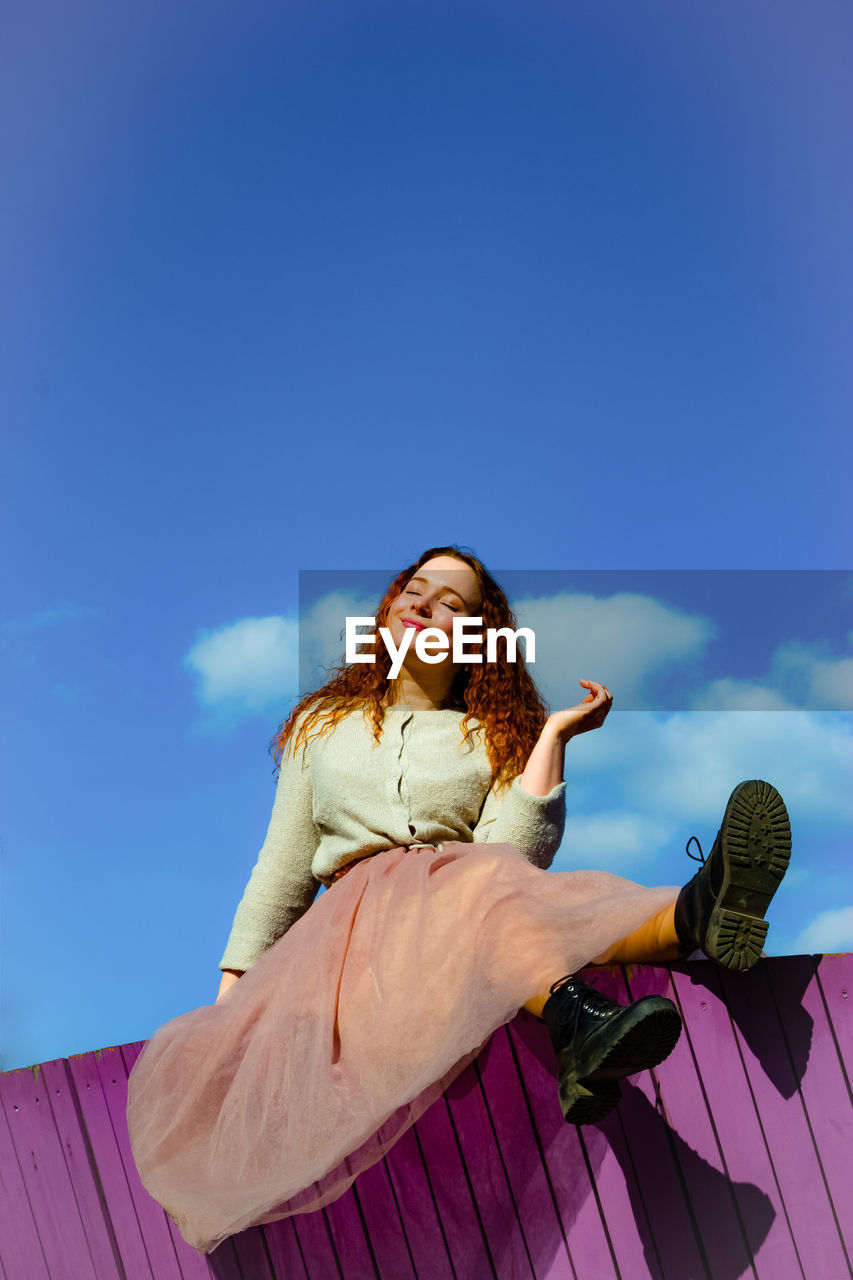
{"x":732,"y":1159}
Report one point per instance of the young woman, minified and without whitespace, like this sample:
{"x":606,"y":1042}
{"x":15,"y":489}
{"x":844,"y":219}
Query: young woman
{"x":429,"y":806}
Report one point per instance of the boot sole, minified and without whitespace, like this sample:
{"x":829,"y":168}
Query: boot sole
{"x":582,"y":1105}
{"x":755,"y":845}
{"x":640,"y":1038}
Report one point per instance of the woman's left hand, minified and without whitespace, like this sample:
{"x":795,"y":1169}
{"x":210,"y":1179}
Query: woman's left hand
{"x":589,"y":714}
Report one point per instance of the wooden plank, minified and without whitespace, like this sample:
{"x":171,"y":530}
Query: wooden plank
{"x":674,"y":1238}
{"x":421,"y":1222}
{"x":696,"y":1149}
{"x":114,"y":1071}
{"x":823,"y":1086}
{"x":350,"y":1236}
{"x":284,"y":1250}
{"x":487,"y":1176}
{"x":447,"y":1175}
{"x":619,"y":1200}
{"x":317,"y":1245}
{"x":145,"y":1255}
{"x":250,"y":1251}
{"x":583,"y":1237}
{"x":20,"y":1247}
{"x":523,"y":1158}
{"x":223,"y":1262}
{"x":723,"y":1080}
{"x":82,"y":1171}
{"x":619,"y":1191}
{"x":383,"y":1223}
{"x":192,"y":1265}
{"x":835,"y":979}
{"x":584,"y":1169}
{"x":45,"y":1173}
{"x":780,"y":1107}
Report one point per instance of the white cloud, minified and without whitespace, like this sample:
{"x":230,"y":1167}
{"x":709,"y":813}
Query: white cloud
{"x":801,"y":677}
{"x":685,"y":765}
{"x":739,"y":695}
{"x":642,"y":784}
{"x":621,"y":640}
{"x":321,"y":632}
{"x":814,"y":679}
{"x":631,"y":641}
{"x":624,"y":843}
{"x":829,"y":932}
{"x":252,"y":663}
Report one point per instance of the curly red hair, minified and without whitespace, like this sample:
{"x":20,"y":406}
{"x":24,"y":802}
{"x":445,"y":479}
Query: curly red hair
{"x":500,"y":695}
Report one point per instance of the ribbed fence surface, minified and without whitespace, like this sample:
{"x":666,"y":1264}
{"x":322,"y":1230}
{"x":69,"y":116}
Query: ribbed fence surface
{"x":734,"y":1158}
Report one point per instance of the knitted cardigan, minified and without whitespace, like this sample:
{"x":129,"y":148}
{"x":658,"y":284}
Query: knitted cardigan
{"x":343,"y":795}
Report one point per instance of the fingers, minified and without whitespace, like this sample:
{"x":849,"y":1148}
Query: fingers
{"x":590,"y":712}
{"x":601,"y":691}
{"x":597,"y":703}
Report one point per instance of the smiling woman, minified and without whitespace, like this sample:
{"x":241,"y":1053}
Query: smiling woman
{"x":430,"y":807}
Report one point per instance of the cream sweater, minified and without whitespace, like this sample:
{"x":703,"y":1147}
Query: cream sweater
{"x":342,"y":796}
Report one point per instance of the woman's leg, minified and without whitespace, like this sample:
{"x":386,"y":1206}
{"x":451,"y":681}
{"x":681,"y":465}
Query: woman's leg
{"x":721,"y":910}
{"x":654,"y":942}
{"x":536,"y":1004}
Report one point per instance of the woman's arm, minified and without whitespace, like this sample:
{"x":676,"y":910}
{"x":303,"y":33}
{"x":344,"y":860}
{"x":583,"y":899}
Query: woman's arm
{"x":282,"y":886}
{"x":531,"y":812}
{"x":544,"y":769}
{"x":229,"y":977}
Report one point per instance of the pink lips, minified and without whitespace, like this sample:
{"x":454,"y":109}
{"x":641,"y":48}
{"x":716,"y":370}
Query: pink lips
{"x":418,"y":626}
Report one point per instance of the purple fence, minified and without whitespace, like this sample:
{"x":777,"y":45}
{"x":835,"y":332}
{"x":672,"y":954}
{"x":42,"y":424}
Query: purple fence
{"x":731,"y":1159}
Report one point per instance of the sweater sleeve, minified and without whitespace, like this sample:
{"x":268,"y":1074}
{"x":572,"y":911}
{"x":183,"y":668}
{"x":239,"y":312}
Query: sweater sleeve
{"x":282,"y":886}
{"x":534,"y":824}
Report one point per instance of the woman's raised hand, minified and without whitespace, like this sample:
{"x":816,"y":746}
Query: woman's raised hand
{"x":588,"y":714}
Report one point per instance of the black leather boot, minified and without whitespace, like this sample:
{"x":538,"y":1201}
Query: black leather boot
{"x":598,"y":1043}
{"x":721,"y":911}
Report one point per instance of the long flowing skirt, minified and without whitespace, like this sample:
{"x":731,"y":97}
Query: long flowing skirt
{"x":339,"y":1037}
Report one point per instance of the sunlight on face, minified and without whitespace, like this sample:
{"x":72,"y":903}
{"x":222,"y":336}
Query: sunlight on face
{"x":442,"y":589}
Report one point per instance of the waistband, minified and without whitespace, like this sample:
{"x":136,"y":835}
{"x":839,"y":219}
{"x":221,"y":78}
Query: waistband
{"x":341,"y":871}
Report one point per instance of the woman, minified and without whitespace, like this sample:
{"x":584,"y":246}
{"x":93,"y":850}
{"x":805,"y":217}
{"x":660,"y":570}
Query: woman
{"x":430,"y":807}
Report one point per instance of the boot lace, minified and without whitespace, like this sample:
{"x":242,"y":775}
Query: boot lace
{"x":596,"y":1002}
{"x":590,"y":999}
{"x":701,"y":857}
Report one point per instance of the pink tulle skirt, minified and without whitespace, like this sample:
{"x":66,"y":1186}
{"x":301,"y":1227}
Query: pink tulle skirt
{"x":310,"y":1068}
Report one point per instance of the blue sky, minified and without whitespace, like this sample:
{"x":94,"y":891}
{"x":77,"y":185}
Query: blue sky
{"x":313,"y":287}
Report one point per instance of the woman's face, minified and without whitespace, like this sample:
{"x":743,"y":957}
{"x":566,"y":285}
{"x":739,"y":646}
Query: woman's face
{"x":442,"y":589}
